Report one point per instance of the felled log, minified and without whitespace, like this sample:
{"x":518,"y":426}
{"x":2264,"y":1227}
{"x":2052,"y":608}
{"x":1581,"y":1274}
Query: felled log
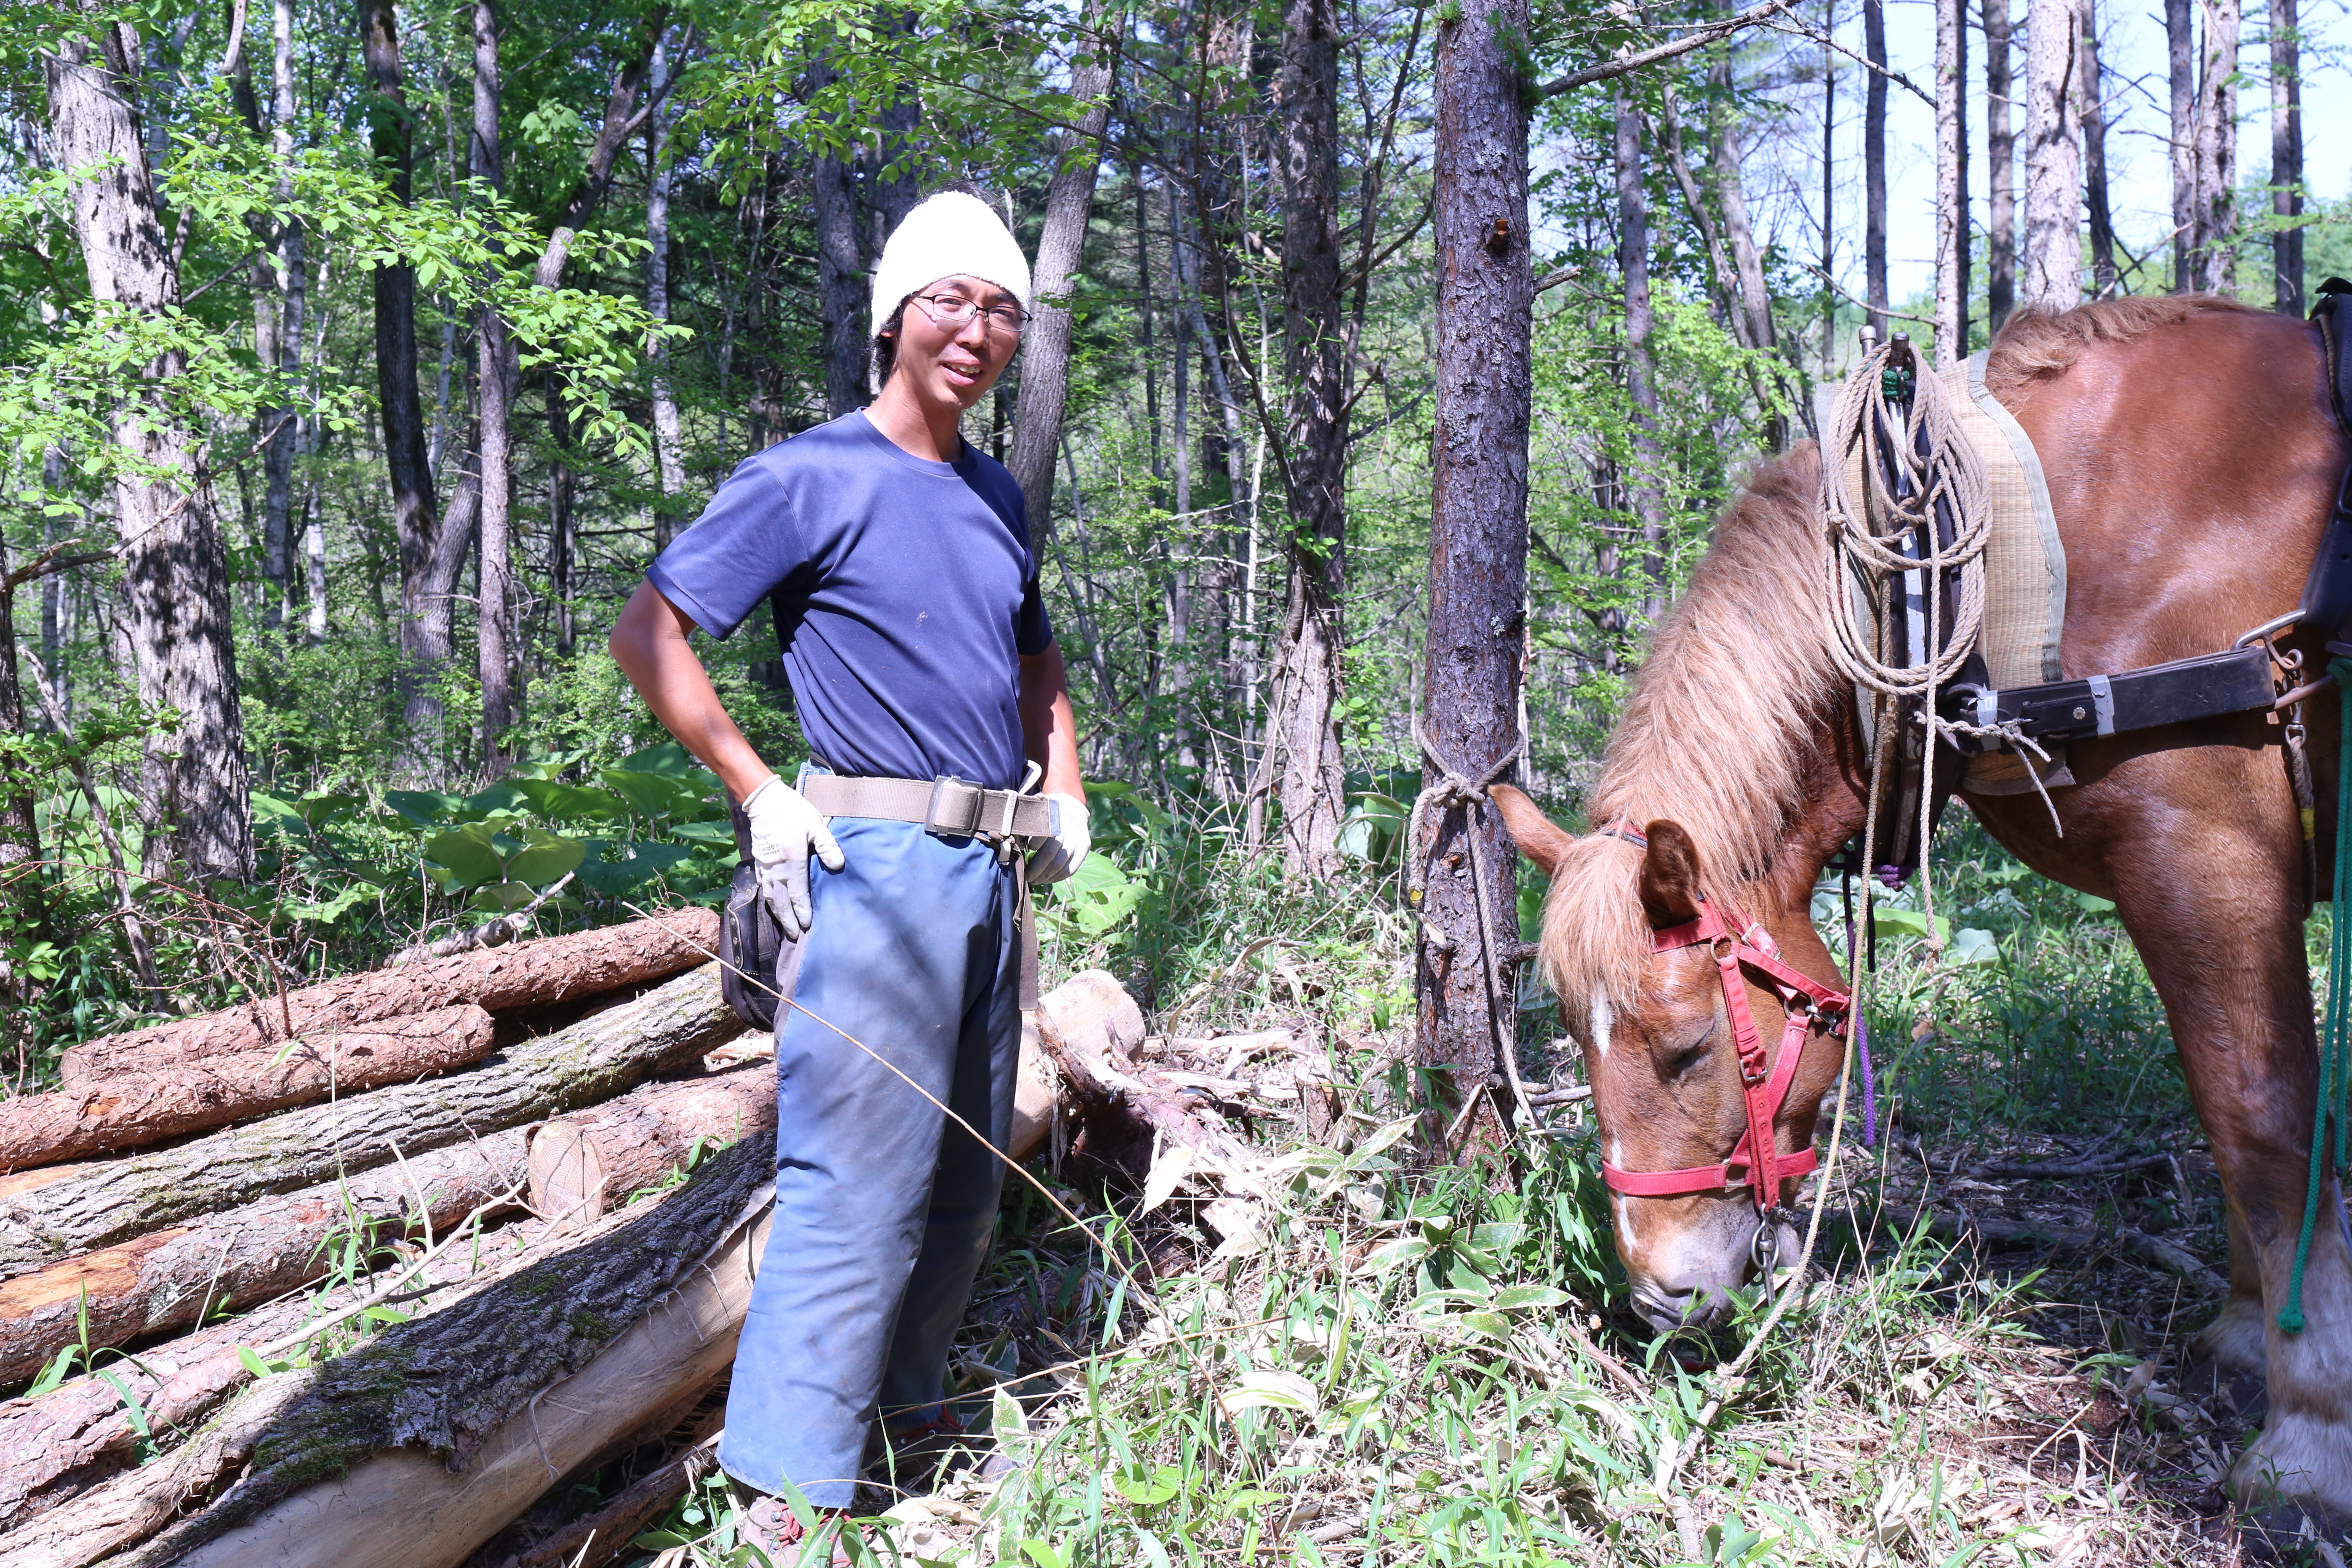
{"x":123,"y":1111}
{"x":584,"y":1162}
{"x":527,"y":974}
{"x":649,"y":1310}
{"x":594,"y":1059}
{"x":1123,"y":1111}
{"x":172,"y":1278}
{"x":596,"y":1539}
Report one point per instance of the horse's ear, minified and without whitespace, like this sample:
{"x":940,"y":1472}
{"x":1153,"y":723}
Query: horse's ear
{"x":1538,"y":837}
{"x":1670,"y":879}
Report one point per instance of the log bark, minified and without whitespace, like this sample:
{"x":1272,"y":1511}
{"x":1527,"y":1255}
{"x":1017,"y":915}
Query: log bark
{"x":594,"y":1059}
{"x":428,"y":1447}
{"x":590,"y":1160}
{"x":58,"y":1446}
{"x":544,"y":973}
{"x":128,"y":1110}
{"x":173,"y":1279}
{"x":1122,"y":1110}
{"x":606,"y":1534}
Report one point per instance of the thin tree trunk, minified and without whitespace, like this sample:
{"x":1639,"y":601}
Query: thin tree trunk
{"x":176,"y":581}
{"x":611,"y":134}
{"x":1143,"y":296}
{"x":286,"y":441}
{"x":841,"y":284}
{"x":2104,"y":276}
{"x":1874,"y":163}
{"x":560,"y":541}
{"x":669,"y":460}
{"x":493,"y":399}
{"x":2000,"y":172}
{"x":1314,"y":322}
{"x":314,"y":557}
{"x":1755,"y":301}
{"x":2180,"y":53}
{"x":1477,"y":567}
{"x":2217,"y":147}
{"x":1044,"y":387}
{"x":1951,"y":181}
{"x":2286,"y":157}
{"x":1829,"y":191}
{"x":2051,"y":259}
{"x":895,"y":184}
{"x":1649,"y":502}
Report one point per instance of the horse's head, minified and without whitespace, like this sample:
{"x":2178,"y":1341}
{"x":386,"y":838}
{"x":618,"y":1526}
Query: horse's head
{"x":1661,"y":1048}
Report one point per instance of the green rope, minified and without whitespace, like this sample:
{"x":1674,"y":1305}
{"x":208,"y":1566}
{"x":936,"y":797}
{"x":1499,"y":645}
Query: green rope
{"x":2335,"y":1044}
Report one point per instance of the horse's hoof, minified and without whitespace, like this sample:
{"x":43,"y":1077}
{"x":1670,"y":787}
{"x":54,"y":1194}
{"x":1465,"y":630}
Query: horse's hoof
{"x":2291,"y":1534}
{"x":2235,"y":1397}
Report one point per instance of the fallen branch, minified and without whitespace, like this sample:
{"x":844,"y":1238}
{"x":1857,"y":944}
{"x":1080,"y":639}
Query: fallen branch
{"x":597,"y":1539}
{"x":2082,"y":1241}
{"x":489,"y":934}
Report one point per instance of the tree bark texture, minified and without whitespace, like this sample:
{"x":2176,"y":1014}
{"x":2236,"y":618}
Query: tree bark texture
{"x":1478,"y":545}
{"x":562,"y":483}
{"x":1874,"y":163}
{"x":620,"y":107}
{"x":1125,"y":1114}
{"x":2104,"y":280}
{"x":494,"y":402}
{"x":2217,"y":147}
{"x":1951,"y":182}
{"x":1731,"y":195}
{"x":543,"y":973}
{"x":601,"y":1055}
{"x":1314,"y":776}
{"x":176,"y":578}
{"x":669,"y":459}
{"x":591,"y":1161}
{"x":1642,"y":485}
{"x":2286,"y":156}
{"x":2050,"y":260}
{"x":1060,"y":248}
{"x":2180,"y":55}
{"x":284,"y":422}
{"x":428,"y":1447}
{"x":176,"y":1277}
{"x":129,"y":1110}
{"x":2000,"y":172}
{"x":844,"y":293}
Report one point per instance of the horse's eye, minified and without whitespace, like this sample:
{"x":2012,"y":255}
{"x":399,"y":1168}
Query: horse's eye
{"x":1680,"y":1057}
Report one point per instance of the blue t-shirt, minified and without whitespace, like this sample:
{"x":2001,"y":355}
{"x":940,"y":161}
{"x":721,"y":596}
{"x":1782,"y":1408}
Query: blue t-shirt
{"x":903,"y":592}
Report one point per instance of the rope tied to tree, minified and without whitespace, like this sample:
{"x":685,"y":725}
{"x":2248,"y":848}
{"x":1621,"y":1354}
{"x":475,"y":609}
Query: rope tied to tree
{"x":2335,"y":1096}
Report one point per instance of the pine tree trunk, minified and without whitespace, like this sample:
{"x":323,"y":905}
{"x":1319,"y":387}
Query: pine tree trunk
{"x":1874,"y":163}
{"x":669,"y":460}
{"x":2000,"y":171}
{"x":2286,"y":157}
{"x":494,"y":392}
{"x":1477,"y":567}
{"x":1951,"y":181}
{"x":1644,"y":488}
{"x":2104,"y":277}
{"x":2180,"y":53}
{"x":1044,"y":388}
{"x":1314,"y":778}
{"x":175,"y":580}
{"x":287,"y":423}
{"x":2217,"y":147}
{"x":2051,"y":258}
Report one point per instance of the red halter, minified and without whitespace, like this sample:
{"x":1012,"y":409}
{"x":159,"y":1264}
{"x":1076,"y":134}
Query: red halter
{"x":1764,"y":1083}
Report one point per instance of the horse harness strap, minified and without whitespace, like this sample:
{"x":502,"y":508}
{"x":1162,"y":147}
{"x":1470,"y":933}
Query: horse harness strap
{"x":1764,"y":1080}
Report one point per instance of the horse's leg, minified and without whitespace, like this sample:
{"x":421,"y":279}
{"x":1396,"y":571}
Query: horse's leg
{"x":2233,"y":1342}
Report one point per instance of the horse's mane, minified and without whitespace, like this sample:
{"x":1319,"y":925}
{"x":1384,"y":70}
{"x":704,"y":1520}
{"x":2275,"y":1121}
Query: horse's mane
{"x":1722,"y":725}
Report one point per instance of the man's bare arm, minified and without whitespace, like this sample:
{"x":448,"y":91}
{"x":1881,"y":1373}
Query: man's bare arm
{"x":1049,"y":730}
{"x":649,"y":643}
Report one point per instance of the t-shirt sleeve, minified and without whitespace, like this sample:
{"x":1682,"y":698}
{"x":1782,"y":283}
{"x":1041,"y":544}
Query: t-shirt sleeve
{"x":1033,"y":631}
{"x":737,"y":553}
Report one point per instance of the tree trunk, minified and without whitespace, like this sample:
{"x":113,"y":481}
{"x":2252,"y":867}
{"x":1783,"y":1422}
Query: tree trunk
{"x":2217,"y":147}
{"x":547,"y":972}
{"x":129,"y":1110}
{"x":227,"y":1261}
{"x":669,"y":459}
{"x":1951,"y":181}
{"x":2052,"y":260}
{"x":1874,"y":163}
{"x":1061,"y":249}
{"x":2000,"y":172}
{"x":591,"y":1161}
{"x":1478,"y":546}
{"x":1314,"y":326}
{"x":1829,"y":191}
{"x":843,"y":291}
{"x":620,"y":105}
{"x":175,"y":580}
{"x":2104,"y":280}
{"x":1732,"y":193}
{"x":604,"y":1054}
{"x":561,"y":544}
{"x":2180,"y":53}
{"x":494,"y":396}
{"x":1649,"y":501}
{"x":2286,"y":157}
{"x":287,"y":423}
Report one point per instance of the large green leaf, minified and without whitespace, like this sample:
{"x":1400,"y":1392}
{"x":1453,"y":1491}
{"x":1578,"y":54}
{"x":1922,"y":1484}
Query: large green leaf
{"x":721,"y":832}
{"x":642,"y":863}
{"x":545,"y":858}
{"x":572,"y":803}
{"x":668,"y":760}
{"x":499,"y":797}
{"x":648,"y":794}
{"x":1099,"y":897}
{"x":423,"y":807}
{"x":501,"y":897}
{"x":466,"y":854}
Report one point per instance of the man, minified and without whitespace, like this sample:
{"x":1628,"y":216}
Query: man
{"x":897,"y":564}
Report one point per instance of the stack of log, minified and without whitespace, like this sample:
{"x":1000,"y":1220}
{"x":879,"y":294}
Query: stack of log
{"x":207,"y":1227}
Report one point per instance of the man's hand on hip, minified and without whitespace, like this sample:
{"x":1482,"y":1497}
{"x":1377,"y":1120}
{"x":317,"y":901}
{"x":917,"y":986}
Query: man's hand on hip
{"x":784,"y":828}
{"x":1061,"y":854}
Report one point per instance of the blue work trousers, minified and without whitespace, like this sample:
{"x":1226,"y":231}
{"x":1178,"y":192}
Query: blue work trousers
{"x":884,"y":1206}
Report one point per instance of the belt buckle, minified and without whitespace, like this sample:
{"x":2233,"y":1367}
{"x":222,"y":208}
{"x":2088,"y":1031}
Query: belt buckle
{"x":931,"y":820}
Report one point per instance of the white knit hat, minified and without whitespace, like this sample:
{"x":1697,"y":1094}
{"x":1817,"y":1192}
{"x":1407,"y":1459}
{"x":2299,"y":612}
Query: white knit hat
{"x":949,"y":235}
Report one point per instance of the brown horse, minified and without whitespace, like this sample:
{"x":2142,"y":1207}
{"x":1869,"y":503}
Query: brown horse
{"x":2192,"y":459}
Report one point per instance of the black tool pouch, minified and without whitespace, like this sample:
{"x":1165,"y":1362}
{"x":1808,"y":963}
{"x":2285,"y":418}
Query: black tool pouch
{"x":759,"y":964}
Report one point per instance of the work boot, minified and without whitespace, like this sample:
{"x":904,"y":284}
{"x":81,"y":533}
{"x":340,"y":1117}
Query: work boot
{"x":768,"y":1525}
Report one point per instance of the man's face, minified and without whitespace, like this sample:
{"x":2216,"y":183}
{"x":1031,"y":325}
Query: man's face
{"x":951,"y":360}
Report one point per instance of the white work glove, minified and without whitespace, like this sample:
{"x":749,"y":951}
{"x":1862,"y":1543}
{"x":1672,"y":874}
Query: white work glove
{"x":1061,"y":854}
{"x":784,"y":828}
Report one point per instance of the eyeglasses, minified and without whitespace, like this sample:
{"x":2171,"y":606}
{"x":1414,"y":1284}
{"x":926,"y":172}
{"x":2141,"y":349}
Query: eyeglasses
{"x":954,"y":312}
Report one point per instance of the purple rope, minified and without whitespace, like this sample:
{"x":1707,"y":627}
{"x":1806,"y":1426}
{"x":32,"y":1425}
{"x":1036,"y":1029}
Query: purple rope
{"x":1869,"y":1089}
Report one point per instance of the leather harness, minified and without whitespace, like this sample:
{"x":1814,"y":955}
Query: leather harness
{"x":1764,"y":1080}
